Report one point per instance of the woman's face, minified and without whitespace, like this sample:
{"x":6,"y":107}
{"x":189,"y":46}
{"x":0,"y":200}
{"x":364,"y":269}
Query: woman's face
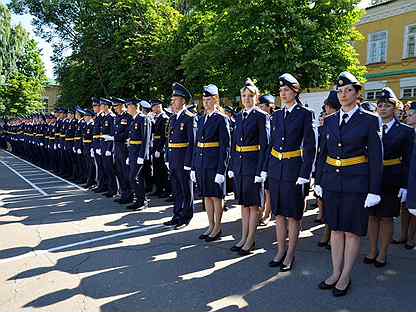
{"x":248,"y":99}
{"x":385,"y":110}
{"x":347,"y":95}
{"x":411,"y":118}
{"x":287,"y":95}
{"x":208,"y":102}
{"x":177,"y":103}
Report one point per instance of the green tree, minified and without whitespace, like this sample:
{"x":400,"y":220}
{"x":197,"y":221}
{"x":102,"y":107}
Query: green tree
{"x":22,"y":73}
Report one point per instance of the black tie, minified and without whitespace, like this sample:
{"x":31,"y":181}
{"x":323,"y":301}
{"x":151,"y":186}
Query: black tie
{"x":245,"y":114}
{"x":343,"y":122}
{"x":384,"y":130}
{"x":286,"y":113}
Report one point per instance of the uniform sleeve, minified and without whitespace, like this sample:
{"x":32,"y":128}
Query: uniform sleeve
{"x":375,"y":157}
{"x":224,"y":139}
{"x":322,"y":154}
{"x":309,"y":147}
{"x":407,"y":149}
{"x":144,"y":128}
{"x":411,"y":195}
{"x":263,"y":125}
{"x":269,"y":145}
{"x":190,"y":140}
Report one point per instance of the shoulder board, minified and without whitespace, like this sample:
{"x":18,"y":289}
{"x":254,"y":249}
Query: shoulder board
{"x":405,"y":126}
{"x":363,"y":111}
{"x":188,"y":113}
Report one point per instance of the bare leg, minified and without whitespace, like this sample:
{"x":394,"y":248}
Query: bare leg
{"x":294,"y":226}
{"x":337,"y":255}
{"x":218,"y":210}
{"x":386,"y":234}
{"x":351,"y":251}
{"x":411,"y":236}
{"x":321,"y":209}
{"x":374,"y":227}
{"x":267,"y":206}
{"x":404,"y":224}
{"x":245,"y":215}
{"x":209,"y":208}
{"x":281,"y":233}
{"x":253,"y":219}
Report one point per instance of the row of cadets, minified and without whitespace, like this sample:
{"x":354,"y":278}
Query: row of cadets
{"x":348,"y":178}
{"x":288,"y":164}
{"x":96,"y":147}
{"x":397,"y":141}
{"x":210,"y":160}
{"x":248,"y":153}
{"x":137,"y":146}
{"x":179,"y":152}
{"x":87,"y":151}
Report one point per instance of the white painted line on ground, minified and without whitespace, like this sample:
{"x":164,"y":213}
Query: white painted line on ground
{"x":46,"y":182}
{"x":58,"y":186}
{"x":73,"y":184}
{"x":43,"y":178}
{"x":61,"y":211}
{"x":24,"y":179}
{"x":86,"y":242}
{"x":26,"y":172}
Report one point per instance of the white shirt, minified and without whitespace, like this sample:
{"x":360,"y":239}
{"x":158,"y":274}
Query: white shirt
{"x":350,"y":113}
{"x":389,"y":125}
{"x":289,"y":109}
{"x":180,"y":112}
{"x":248,"y":111}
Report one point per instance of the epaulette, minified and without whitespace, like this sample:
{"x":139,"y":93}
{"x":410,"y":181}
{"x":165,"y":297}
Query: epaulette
{"x":189,"y":114}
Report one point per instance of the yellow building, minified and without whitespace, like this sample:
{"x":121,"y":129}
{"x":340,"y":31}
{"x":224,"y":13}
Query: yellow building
{"x":389,"y":47}
{"x":51,"y":95}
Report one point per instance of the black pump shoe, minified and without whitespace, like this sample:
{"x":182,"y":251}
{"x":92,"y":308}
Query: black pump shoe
{"x":275,"y":264}
{"x":287,"y":268}
{"x":340,"y":293}
{"x":214,"y":238}
{"x":324,"y":286}
{"x":243,"y":252}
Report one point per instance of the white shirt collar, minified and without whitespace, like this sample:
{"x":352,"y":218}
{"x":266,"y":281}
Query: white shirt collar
{"x":137,"y":114}
{"x":248,"y":111}
{"x":389,"y":125}
{"x":350,"y":113}
{"x":180,"y":112}
{"x":290,"y":109}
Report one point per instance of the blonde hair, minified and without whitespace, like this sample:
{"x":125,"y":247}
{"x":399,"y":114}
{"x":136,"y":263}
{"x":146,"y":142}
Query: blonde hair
{"x":250,"y":86}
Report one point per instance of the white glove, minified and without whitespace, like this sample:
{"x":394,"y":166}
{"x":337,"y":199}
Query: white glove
{"x":402,"y":195}
{"x":79,"y":151}
{"x":92,"y":153}
{"x":263,"y":175}
{"x":318,"y":190}
{"x":167,"y":165}
{"x":157,"y":154}
{"x":193,"y":176}
{"x":301,"y":181}
{"x":107,"y":153}
{"x":127,"y":161}
{"x":219,"y":178}
{"x":187,"y":168}
{"x":107,"y":137}
{"x":41,"y":144}
{"x":74,"y":150}
{"x":258,"y":179}
{"x":372,"y":200}
{"x":412,"y":211}
{"x":98,"y":151}
{"x":54,"y":146}
{"x":140,"y":161}
{"x":59,"y":145}
{"x":230,"y":174}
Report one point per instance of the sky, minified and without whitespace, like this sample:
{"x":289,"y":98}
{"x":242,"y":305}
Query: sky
{"x":45,"y":47}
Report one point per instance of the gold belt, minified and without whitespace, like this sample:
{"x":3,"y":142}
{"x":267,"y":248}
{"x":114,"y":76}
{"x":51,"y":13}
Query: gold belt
{"x":178,"y":145}
{"x":77,"y":138}
{"x":208,"y":144}
{"x":69,"y":139}
{"x":135,"y":142}
{"x":347,"y":161}
{"x":286,"y":155}
{"x":86,"y":141}
{"x":248,"y":148}
{"x":392,"y":162}
{"x":97,"y":136}
{"x":157,"y":137}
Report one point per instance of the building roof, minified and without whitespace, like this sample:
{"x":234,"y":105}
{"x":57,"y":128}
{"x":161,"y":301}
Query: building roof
{"x":382,"y":9}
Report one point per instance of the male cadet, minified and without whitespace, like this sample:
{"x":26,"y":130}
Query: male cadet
{"x":137,"y":146}
{"x":160,"y":171}
{"x":121,"y":133}
{"x":96,"y":145}
{"x":79,"y":165}
{"x":147,"y":166}
{"x":87,"y":141}
{"x":107,"y":125}
{"x":179,"y":152}
{"x":69,"y":143}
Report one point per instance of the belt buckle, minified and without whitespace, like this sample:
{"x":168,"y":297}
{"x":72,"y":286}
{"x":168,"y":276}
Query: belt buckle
{"x":338,"y":162}
{"x":279,"y":156}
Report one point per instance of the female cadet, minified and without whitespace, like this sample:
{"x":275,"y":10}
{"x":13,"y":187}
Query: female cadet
{"x":137,"y":145}
{"x":349,"y":174}
{"x":289,"y":163}
{"x":397,"y":146}
{"x":210,"y":160}
{"x":248,"y":151}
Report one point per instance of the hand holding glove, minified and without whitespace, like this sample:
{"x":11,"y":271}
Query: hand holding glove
{"x":230,"y":174}
{"x":140,"y":161}
{"x":301,"y":181}
{"x":157,"y":154}
{"x":98,"y":151}
{"x":79,"y":151}
{"x":186,"y":168}
{"x":318,"y":190}
{"x":127,"y":161}
{"x":193,"y":176}
{"x":372,"y":200}
{"x":402,"y":195}
{"x":219,"y":178}
{"x":107,"y":153}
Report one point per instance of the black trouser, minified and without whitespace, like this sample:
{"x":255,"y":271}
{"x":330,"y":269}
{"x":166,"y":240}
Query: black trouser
{"x":121,"y":169}
{"x":184,"y":209}
{"x":136,"y":179}
{"x":160,"y":174}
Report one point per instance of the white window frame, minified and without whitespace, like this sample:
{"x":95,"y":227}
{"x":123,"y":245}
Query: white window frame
{"x":406,"y":40}
{"x":413,"y":92}
{"x":374,"y":91}
{"x":386,"y":48}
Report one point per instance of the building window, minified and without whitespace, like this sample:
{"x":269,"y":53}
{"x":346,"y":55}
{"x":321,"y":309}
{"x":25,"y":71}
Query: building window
{"x":372,"y":95}
{"x":408,"y":92}
{"x":377,"y":47}
{"x":410,"y":41}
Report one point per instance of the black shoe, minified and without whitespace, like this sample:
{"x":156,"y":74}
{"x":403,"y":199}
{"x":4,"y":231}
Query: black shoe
{"x":275,"y":264}
{"x":123,"y":201}
{"x":214,"y":238}
{"x":408,"y":246}
{"x":109,"y":195}
{"x":136,"y":206}
{"x":379,"y":264}
{"x":203,"y":236}
{"x":235,"y":248}
{"x":243,"y":252}
{"x":170,"y":222}
{"x":340,"y":293}
{"x":398,"y":242}
{"x":368,"y":260}
{"x":324,"y":286}
{"x":287,"y":268}
{"x":180,"y":225}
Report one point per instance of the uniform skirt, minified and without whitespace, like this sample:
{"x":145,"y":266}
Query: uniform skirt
{"x":205,"y":178}
{"x":287,"y":199}
{"x":389,"y":205}
{"x":247,"y":193}
{"x":345,"y":212}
